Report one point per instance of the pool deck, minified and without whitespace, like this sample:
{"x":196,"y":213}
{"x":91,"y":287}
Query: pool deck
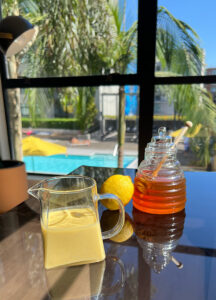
{"x":108,"y":146}
{"x":95,"y":147}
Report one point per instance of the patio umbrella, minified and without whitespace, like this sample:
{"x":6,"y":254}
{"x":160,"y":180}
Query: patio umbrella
{"x":189,"y":135}
{"x":33,"y":146}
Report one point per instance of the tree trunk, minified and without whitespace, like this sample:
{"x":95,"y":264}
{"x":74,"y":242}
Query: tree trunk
{"x":14,"y":104}
{"x":121,"y":126}
{"x":15,"y":112}
{"x":58,"y":111}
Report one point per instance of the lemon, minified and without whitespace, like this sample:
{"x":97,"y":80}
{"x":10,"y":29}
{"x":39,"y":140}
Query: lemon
{"x":110,"y":218}
{"x":119,"y":185}
{"x":126,"y":232}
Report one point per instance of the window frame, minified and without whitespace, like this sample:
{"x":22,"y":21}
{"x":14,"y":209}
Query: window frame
{"x":145,"y":77}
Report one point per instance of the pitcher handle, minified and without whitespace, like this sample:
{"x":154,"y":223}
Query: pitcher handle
{"x":108,"y":291}
{"x":118,"y":227}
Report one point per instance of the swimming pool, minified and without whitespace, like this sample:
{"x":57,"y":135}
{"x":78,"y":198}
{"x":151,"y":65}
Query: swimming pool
{"x":64,"y":164}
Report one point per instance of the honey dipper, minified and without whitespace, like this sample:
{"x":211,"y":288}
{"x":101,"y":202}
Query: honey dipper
{"x":188,"y":124}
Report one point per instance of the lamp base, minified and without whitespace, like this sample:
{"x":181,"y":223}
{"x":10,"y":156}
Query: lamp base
{"x":13,"y":185}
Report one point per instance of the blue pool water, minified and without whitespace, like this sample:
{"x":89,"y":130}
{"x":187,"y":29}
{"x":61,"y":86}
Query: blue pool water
{"x":64,"y":164}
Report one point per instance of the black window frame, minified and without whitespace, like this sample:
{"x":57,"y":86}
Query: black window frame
{"x":144,"y":78}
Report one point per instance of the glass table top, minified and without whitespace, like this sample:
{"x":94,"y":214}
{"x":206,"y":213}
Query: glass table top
{"x":161,"y":257}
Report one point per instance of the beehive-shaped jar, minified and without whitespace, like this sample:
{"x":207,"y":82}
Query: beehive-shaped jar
{"x":160,"y":182}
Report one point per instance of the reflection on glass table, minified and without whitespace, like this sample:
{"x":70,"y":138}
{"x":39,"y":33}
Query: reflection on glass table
{"x":67,"y":283}
{"x":148,"y":244}
{"x":158,"y":236}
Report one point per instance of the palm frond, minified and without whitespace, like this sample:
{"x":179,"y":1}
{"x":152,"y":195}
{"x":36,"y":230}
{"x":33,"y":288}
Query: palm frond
{"x":176,"y":38}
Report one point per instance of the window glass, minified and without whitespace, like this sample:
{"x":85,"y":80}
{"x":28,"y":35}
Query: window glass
{"x":77,"y":38}
{"x":211,"y":71}
{"x":184,"y":43}
{"x":176,"y":104}
{"x":57,"y":130}
{"x":211,"y":88}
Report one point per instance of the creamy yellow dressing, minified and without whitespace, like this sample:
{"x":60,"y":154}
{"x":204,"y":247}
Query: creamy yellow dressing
{"x":72,"y":237}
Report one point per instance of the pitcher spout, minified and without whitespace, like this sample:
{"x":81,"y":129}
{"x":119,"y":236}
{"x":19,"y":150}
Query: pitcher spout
{"x":33,"y":191}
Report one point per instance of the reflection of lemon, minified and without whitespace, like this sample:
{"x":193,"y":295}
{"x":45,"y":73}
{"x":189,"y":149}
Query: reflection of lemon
{"x":119,"y":185}
{"x":125,"y":233}
{"x":110,"y":218}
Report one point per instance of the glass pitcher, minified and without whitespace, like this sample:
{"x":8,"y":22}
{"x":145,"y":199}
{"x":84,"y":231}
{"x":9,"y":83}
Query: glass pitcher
{"x":69,"y":220}
{"x":159,"y":186}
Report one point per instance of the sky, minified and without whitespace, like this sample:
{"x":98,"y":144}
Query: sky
{"x":199,"y":14}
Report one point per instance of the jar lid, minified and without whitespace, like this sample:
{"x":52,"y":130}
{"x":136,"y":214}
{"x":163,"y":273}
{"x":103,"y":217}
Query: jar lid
{"x":161,"y":142}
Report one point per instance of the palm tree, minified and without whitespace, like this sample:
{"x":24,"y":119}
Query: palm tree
{"x":177,"y":45}
{"x":179,"y":53}
{"x":90,"y":53}
{"x":60,"y":50}
{"x":123,"y":53}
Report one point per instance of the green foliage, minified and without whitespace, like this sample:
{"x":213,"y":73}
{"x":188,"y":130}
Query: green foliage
{"x":86,"y":108}
{"x":69,"y":99}
{"x":57,"y":123}
{"x":38,"y":101}
{"x":123,"y":47}
{"x":201,"y":146}
{"x":179,"y":53}
{"x":74,"y":38}
{"x":177,"y":45}
{"x":87,"y":120}
{"x":88,"y":38}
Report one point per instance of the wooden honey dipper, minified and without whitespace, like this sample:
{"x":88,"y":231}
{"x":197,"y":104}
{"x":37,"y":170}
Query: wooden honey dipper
{"x":188,"y":124}
{"x":178,"y":264}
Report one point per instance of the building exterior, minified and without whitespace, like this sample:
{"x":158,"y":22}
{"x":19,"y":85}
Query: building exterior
{"x":211,"y":88}
{"x":107,"y":102}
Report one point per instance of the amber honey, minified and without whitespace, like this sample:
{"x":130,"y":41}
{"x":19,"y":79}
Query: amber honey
{"x":159,"y":195}
{"x":157,"y":228}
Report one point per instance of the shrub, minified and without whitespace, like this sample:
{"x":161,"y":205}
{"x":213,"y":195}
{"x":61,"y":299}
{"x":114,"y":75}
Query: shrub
{"x":56,"y":123}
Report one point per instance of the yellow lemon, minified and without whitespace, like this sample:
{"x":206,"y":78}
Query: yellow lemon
{"x":119,"y":185}
{"x":126,"y":232}
{"x":110,"y":218}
